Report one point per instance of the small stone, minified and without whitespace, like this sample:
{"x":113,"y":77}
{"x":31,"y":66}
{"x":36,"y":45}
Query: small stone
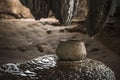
{"x":40,"y":48}
{"x":49,"y":32}
{"x":62,"y":30}
{"x":94,"y":50}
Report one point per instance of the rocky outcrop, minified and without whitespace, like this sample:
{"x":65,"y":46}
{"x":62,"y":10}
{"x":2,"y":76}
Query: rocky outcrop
{"x":39,"y":8}
{"x":63,"y":10}
{"x":82,"y":10}
{"x":10,"y":9}
{"x":49,"y":67}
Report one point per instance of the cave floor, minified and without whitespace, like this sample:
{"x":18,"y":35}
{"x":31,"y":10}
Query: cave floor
{"x":26,"y":39}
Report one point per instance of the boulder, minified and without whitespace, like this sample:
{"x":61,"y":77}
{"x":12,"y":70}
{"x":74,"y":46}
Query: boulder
{"x":12,"y":9}
{"x":49,"y":67}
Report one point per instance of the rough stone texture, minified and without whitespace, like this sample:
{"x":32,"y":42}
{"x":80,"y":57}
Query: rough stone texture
{"x":64,"y":10}
{"x":10,"y":9}
{"x":49,"y":67}
{"x":39,"y":8}
{"x":82,"y":10}
{"x":117,"y":13}
{"x":98,"y":14}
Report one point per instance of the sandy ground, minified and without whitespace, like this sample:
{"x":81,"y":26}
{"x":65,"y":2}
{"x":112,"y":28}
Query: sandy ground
{"x":23,"y":40}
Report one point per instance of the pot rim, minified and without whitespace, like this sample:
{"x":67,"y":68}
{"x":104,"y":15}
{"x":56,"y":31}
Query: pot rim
{"x":71,"y":40}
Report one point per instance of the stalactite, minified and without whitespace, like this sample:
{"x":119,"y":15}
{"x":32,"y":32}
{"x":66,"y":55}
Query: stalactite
{"x":64,"y":10}
{"x":117,"y":11}
{"x":39,"y":8}
{"x":98,"y":13}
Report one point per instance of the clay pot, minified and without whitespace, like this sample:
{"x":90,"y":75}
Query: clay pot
{"x":71,"y":50}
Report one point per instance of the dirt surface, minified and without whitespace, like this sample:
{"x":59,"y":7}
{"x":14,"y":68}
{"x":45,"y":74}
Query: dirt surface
{"x":110,"y":36}
{"x":23,"y":40}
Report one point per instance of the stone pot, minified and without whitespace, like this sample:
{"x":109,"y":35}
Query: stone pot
{"x":71,"y":50}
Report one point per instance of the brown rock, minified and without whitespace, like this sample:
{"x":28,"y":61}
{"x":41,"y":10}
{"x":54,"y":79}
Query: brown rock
{"x":82,"y":10}
{"x":13,"y":9}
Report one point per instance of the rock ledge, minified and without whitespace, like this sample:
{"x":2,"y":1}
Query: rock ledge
{"x":49,"y":67}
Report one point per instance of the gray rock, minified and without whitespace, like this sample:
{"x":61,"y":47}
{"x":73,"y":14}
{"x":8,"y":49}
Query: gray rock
{"x":51,"y":68}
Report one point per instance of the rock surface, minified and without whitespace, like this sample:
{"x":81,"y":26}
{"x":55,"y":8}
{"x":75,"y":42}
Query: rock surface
{"x":11,"y":9}
{"x":49,"y":67}
{"x":82,"y":10}
{"x":38,"y":8}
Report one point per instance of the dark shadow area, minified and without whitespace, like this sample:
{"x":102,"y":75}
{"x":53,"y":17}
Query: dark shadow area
{"x":110,"y":36}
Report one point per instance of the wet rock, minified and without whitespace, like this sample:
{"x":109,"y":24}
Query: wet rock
{"x":49,"y":67}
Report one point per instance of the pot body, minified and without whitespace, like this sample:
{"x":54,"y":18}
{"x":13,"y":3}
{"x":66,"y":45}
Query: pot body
{"x":71,"y":50}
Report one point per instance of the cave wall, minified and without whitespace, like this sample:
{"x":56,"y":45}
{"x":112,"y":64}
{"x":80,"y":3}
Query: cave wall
{"x":10,"y":9}
{"x":14,"y":9}
{"x":117,"y":13}
{"x":82,"y":10}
